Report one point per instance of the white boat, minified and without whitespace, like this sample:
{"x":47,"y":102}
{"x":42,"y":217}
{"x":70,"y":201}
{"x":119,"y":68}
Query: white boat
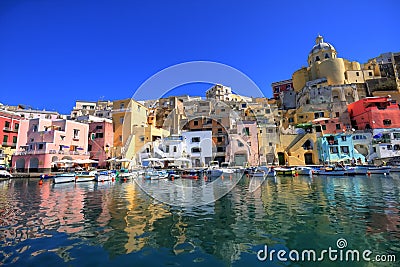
{"x":356,"y":170}
{"x":64,"y":178}
{"x":395,"y":168}
{"x":331,"y":171}
{"x":105,"y":176}
{"x":225,"y":168}
{"x":5,"y":175}
{"x":85,"y":176}
{"x":303,"y":170}
{"x":379,"y":170}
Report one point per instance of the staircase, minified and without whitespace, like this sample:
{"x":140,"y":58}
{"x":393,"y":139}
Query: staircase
{"x":127,"y":144}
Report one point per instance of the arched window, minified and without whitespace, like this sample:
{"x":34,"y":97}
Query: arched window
{"x":326,"y":56}
{"x":317,"y":58}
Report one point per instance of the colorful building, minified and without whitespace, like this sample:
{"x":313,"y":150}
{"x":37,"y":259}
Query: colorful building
{"x":374,"y":113}
{"x":337,"y":148}
{"x":9,"y":126}
{"x":101,"y":137}
{"x":43,"y":142}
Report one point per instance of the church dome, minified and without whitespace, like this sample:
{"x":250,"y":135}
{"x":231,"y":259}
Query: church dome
{"x":321,"y":50}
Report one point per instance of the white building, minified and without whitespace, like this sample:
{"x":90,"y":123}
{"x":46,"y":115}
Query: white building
{"x":199,"y":147}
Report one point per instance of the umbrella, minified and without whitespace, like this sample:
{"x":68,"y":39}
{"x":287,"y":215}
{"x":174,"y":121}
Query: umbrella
{"x":65,"y":161}
{"x":85,"y":161}
{"x":151,"y":159}
{"x":124,"y":160}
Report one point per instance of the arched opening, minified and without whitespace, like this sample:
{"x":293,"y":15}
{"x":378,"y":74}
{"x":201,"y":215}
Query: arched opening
{"x":34,"y":165}
{"x":20,"y":165}
{"x":317,"y":58}
{"x":326,"y":55}
{"x":308,"y":145}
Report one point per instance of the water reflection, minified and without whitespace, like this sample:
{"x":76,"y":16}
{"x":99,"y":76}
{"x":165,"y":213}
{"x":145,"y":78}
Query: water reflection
{"x":80,"y":223}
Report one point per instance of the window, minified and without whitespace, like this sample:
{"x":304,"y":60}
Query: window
{"x":269,"y":144}
{"x":219,"y":130}
{"x":99,"y":135}
{"x":370,"y":73}
{"x":196,"y":150}
{"x":195,"y":123}
{"x":396,"y":147}
{"x":122,"y":106}
{"x":99,"y":127}
{"x":76,"y":134}
{"x":338,"y":126}
{"x":387,"y":122}
{"x":344,"y":138}
{"x":167,"y":149}
{"x":246,"y":131}
{"x":240,"y":144}
{"x":326,"y":56}
{"x":5,"y":139}
{"x":396,"y":136}
{"x":89,"y":147}
{"x":389,"y":147}
{"x":35,"y":128}
{"x":7,"y":124}
{"x":121,"y":120}
{"x":40,"y":146}
{"x":337,"y":114}
{"x":174,"y":148}
{"x":317,"y":58}
{"x":195,"y":139}
{"x":324,"y":127}
{"x":219,"y":139}
{"x":120,"y":138}
{"x":333,"y":149}
{"x":357,"y":73}
{"x":291,"y":120}
{"x":14,"y":139}
{"x":344,"y":149}
{"x":220,"y":149}
{"x":16,"y":126}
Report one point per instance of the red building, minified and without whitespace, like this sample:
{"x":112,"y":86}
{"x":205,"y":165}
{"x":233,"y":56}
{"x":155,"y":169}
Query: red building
{"x":374,"y":113}
{"x":278,"y":87}
{"x":101,"y":138}
{"x":9,"y":125}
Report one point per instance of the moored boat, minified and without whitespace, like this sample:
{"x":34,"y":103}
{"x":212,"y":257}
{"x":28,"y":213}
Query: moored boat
{"x":379,"y":170}
{"x":285,"y":171}
{"x":303,"y":170}
{"x":64,"y":178}
{"x":105,"y":176}
{"x":4,"y":175}
{"x":85,"y":176}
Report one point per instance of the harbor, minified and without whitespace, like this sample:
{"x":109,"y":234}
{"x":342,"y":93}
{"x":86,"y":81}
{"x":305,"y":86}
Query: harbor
{"x":116,"y":222}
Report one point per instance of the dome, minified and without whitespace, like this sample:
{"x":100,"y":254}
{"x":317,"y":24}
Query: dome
{"x":321,"y":45}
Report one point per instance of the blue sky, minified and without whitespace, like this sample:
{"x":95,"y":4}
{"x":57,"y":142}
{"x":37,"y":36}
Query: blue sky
{"x":55,"y":52}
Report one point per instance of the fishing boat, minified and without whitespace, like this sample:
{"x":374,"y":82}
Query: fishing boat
{"x":213,"y":169}
{"x":356,"y":170}
{"x":257,"y":172}
{"x":331,"y":171}
{"x":303,"y":170}
{"x":225,"y":168}
{"x":379,"y":170}
{"x":64,"y":178}
{"x":285,"y":171}
{"x":105,"y":176}
{"x":85,"y":176}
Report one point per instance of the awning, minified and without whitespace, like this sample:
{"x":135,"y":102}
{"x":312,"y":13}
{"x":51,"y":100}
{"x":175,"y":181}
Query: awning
{"x":304,"y":125}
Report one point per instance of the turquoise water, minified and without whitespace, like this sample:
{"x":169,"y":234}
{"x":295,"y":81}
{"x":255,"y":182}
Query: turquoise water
{"x":117,"y":224}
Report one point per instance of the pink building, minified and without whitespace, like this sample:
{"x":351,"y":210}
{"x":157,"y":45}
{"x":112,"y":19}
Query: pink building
{"x":101,"y":138}
{"x":243,"y":146}
{"x":44,"y":141}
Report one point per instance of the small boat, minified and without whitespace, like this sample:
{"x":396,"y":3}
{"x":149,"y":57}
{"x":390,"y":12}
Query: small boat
{"x":225,"y":168}
{"x":285,"y":171}
{"x":357,"y":170}
{"x":213,"y":169}
{"x":303,"y":170}
{"x":395,"y":168}
{"x":47,"y":176}
{"x":173,"y":176}
{"x":4,"y":175}
{"x":379,"y":170}
{"x":105,"y":176}
{"x":64,"y":178}
{"x":257,"y":172}
{"x":331,"y":171}
{"x":85,"y":176}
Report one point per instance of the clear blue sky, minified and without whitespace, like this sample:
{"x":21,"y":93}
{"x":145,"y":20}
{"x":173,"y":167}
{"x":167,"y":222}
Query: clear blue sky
{"x":55,"y":52}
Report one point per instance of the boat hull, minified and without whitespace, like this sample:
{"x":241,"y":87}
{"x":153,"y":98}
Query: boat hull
{"x":379,"y":170}
{"x":64,"y":178}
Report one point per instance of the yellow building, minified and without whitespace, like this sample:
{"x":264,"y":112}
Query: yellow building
{"x":324,"y":63}
{"x":126,"y":114}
